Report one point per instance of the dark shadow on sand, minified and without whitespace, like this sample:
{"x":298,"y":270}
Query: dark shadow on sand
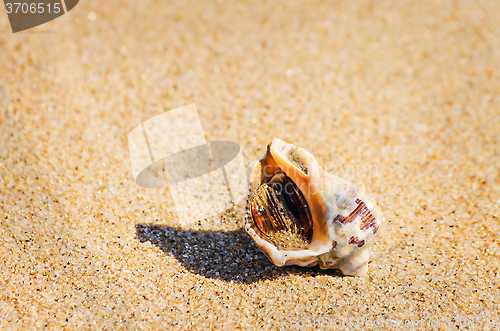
{"x":229,"y":256}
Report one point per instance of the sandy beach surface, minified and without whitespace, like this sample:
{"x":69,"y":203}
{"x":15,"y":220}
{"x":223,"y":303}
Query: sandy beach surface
{"x":401,"y":96}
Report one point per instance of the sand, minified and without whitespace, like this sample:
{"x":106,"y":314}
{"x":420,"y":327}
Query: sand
{"x":401,"y":96}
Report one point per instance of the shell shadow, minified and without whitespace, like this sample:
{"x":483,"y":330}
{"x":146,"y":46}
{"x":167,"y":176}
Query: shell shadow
{"x":226,"y":255}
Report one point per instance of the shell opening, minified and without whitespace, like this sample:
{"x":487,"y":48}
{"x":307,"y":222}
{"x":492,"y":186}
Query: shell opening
{"x":281,"y":214}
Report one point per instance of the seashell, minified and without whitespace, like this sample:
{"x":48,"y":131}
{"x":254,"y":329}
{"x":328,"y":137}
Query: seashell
{"x":298,"y":214}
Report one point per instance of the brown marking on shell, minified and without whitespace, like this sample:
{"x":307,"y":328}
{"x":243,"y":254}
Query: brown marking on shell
{"x":345,"y":220}
{"x":356,"y":241}
{"x":367,"y":219}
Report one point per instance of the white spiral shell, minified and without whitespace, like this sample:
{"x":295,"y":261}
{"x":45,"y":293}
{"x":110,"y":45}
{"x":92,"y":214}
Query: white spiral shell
{"x":344,"y":219}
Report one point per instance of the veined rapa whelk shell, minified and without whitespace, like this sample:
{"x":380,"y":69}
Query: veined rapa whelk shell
{"x":298,"y":214}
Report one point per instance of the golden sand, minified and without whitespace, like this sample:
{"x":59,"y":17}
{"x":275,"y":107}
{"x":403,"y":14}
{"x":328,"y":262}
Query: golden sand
{"x":402,"y":96}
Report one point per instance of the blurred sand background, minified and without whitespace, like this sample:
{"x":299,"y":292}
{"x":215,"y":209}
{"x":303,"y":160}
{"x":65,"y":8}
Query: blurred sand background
{"x":406,"y":89}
